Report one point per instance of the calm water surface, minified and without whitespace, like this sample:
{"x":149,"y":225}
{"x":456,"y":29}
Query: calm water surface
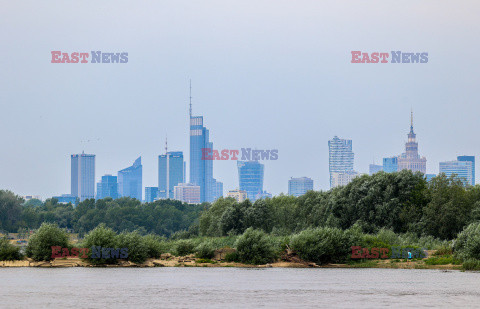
{"x":236,"y":287}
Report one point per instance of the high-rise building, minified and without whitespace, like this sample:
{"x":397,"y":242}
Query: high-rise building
{"x":470,"y":159}
{"x":151,"y":194}
{"x":130,"y":180}
{"x":461,"y":169}
{"x":429,"y":177}
{"x":107,"y":187}
{"x":262,"y":195}
{"x":83,"y":176}
{"x":373,"y":168}
{"x":299,"y":186}
{"x":238,"y":195}
{"x":410,"y":159}
{"x":187,"y":193}
{"x":170,"y":173}
{"x":217,"y":189}
{"x":343,"y":178}
{"x":66,"y":199}
{"x":340,"y":156}
{"x":250,"y":177}
{"x":390,"y":165}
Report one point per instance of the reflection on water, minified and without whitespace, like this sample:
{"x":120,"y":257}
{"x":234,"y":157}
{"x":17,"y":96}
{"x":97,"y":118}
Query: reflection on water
{"x":235,"y":287}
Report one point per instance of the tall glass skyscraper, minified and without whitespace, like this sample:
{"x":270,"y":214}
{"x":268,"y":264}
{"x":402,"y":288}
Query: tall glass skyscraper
{"x":390,"y":165}
{"x":299,"y":186}
{"x":250,"y":178}
{"x":469,"y":159}
{"x":83,"y":176}
{"x":340,"y":157}
{"x":130,"y":180}
{"x":170,"y":173}
{"x":461,"y":169}
{"x":151,"y":193}
{"x":107,"y":187}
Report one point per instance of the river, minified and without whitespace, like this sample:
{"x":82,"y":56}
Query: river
{"x":198,"y":287}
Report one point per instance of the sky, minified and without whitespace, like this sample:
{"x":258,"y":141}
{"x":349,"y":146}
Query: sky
{"x":265,"y":74}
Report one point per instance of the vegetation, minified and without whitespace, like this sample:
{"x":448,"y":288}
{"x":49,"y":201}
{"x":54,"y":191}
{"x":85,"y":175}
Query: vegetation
{"x":255,"y":247}
{"x":9,"y":252}
{"x":40,"y":244}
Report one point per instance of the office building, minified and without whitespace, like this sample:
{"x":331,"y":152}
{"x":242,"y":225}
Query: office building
{"x":340,"y":157}
{"x":469,"y":159}
{"x":67,"y":198}
{"x":130,"y":180}
{"x":171,"y":172}
{"x":250,"y":178}
{"x":217,"y":189}
{"x":343,"y":178}
{"x":373,"y":168}
{"x":238,"y":195}
{"x":461,"y":169}
{"x":410,"y":159}
{"x":107,"y":187}
{"x":429,"y":177}
{"x":151,"y":194}
{"x":390,"y":165}
{"x":262,"y":195}
{"x":299,"y":186}
{"x":83,"y":176}
{"x":187,"y":193}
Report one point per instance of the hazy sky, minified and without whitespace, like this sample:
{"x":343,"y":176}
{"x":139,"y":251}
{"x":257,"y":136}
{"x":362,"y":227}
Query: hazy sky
{"x":265,"y":74}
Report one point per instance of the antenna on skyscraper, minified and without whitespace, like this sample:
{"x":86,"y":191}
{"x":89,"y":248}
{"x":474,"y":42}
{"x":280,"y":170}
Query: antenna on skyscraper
{"x":190,"y":98}
{"x":411,"y":117}
{"x":166,"y":145}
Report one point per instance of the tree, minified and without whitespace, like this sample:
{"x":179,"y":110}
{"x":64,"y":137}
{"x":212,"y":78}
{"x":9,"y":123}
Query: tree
{"x":40,"y":244}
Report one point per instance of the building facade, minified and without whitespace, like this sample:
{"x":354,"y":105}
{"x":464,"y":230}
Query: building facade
{"x":187,"y":193}
{"x":461,"y":169}
{"x":238,"y":195}
{"x":469,"y":159}
{"x":340,"y":179}
{"x":250,"y":178}
{"x":151,"y":194}
{"x":410,"y":159}
{"x":130,"y":180}
{"x":171,"y":172}
{"x":83,"y":176}
{"x":299,"y":186}
{"x":373,"y":168}
{"x":340,"y":157}
{"x":390,"y":165}
{"x":107,"y":187}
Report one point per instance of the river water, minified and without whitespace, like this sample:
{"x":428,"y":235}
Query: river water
{"x":236,"y":288}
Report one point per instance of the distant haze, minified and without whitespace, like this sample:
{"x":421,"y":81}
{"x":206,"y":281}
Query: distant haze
{"x":265,"y":75}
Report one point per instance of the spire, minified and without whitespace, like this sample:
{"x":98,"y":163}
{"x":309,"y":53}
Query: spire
{"x":411,"y":120}
{"x":166,"y":145}
{"x":190,"y":98}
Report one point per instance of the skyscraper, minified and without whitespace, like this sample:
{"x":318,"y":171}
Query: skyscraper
{"x":83,"y":176}
{"x":151,"y":193}
{"x":299,"y":186}
{"x":250,"y":178}
{"x":410,"y":159}
{"x":462,"y":170}
{"x":390,"y":165}
{"x":217,"y":189}
{"x":201,"y":171}
{"x":130,"y":180}
{"x":107,"y":187}
{"x":470,"y":159}
{"x":340,"y":179}
{"x":170,"y":173}
{"x":340,"y":156}
{"x":187,"y":193}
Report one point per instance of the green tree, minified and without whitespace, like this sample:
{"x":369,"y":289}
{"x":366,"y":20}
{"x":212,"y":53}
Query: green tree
{"x":39,"y":246}
{"x":255,"y":247}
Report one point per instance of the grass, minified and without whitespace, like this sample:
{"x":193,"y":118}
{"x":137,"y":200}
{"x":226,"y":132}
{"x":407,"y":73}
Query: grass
{"x":363,"y":264}
{"x":201,"y":261}
{"x":442,"y":260}
{"x":471,"y":264}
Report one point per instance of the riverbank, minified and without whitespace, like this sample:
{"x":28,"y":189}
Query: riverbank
{"x":167,"y":260}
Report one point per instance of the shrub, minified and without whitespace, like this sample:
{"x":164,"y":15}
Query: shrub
{"x":39,"y":246}
{"x":255,"y":247}
{"x":156,"y":245}
{"x":205,"y":250}
{"x":442,"y":260}
{"x":9,"y":252}
{"x":100,"y":236}
{"x":444,"y":250}
{"x":137,"y":248}
{"x":184,"y":247}
{"x":471,"y":264}
{"x":324,"y":245}
{"x":467,"y":244}
{"x":231,"y":257}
